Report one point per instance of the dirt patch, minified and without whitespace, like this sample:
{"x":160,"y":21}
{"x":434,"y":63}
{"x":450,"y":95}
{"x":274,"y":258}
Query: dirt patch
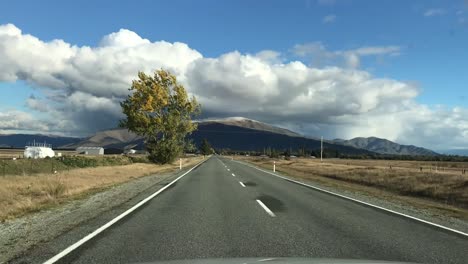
{"x":272,"y":203}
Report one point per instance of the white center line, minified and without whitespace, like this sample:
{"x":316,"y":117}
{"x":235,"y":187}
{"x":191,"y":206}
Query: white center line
{"x":233,"y":175}
{"x":242,"y":184}
{"x":229,"y":170}
{"x":266,"y":208}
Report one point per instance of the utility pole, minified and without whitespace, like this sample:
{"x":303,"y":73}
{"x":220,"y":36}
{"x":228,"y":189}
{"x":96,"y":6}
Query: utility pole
{"x":321,"y":149}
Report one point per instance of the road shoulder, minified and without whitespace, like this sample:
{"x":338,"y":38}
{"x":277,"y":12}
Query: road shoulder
{"x":47,"y":232}
{"x":405,"y":205}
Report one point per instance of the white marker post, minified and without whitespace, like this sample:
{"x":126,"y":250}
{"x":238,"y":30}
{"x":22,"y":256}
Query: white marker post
{"x":321,"y":148}
{"x":274,"y":166}
{"x":180,"y":163}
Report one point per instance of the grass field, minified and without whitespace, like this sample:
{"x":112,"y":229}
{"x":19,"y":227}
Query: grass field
{"x":18,"y":153}
{"x":22,"y":194}
{"x":446,"y":185}
{"x":59,"y":164}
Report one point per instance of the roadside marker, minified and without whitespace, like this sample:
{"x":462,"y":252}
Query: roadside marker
{"x":266,"y":208}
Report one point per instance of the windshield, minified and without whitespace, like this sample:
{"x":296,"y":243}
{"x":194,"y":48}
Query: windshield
{"x":244,"y":131}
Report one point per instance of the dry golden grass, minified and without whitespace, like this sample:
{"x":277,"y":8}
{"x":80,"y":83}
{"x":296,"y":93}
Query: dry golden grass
{"x":449,"y":187}
{"x":23,"y":194}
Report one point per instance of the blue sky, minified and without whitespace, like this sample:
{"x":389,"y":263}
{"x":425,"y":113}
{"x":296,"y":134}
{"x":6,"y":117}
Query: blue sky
{"x":434,"y":52}
{"x":431,"y":36}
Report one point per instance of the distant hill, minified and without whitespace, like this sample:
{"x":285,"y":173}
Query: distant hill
{"x":114,"y":138}
{"x":384,"y":146}
{"x":237,"y":137}
{"x":235,"y":133}
{"x":240,"y":134}
{"x":252,"y":124}
{"x":21,"y":140}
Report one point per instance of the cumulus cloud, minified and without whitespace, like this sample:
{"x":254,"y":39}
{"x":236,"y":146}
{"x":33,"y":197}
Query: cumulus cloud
{"x":81,"y":88}
{"x":329,"y":19}
{"x":434,"y":12}
{"x":21,"y":121}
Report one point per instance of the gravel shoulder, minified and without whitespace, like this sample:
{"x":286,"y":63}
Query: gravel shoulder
{"x":36,"y":237}
{"x":412,"y":206}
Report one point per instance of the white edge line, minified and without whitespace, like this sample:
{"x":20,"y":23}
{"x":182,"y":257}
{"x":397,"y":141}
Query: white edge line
{"x":115,"y":220}
{"x":242,"y":184}
{"x":361,"y":202}
{"x":233,"y":175}
{"x":266,"y":208}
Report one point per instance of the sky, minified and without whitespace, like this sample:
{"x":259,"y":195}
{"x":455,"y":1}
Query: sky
{"x":337,"y":68}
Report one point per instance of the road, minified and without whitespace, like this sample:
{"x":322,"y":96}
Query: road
{"x":227,"y":209}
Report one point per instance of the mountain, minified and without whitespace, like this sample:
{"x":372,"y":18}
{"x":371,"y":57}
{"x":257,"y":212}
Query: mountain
{"x":384,"y":146}
{"x":240,"y":134}
{"x":225,"y":135}
{"x":251,"y":124}
{"x":21,"y":140}
{"x":114,"y":138}
{"x":235,"y":133}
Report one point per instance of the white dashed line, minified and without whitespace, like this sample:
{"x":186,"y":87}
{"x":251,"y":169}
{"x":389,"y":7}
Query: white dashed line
{"x":228,"y":169}
{"x":266,"y":208}
{"x":242,"y":184}
{"x":233,"y":175}
{"x":361,"y":202}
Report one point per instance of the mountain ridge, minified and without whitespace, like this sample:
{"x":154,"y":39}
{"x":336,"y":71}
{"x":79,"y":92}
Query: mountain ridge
{"x":237,"y":133}
{"x":385,"y":146}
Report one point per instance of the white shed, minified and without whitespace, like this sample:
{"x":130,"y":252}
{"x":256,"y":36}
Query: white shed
{"x":90,"y":150}
{"x":35,"y":152}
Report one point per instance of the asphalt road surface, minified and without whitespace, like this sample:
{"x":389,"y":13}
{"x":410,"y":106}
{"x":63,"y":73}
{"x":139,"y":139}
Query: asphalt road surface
{"x":227,"y":209}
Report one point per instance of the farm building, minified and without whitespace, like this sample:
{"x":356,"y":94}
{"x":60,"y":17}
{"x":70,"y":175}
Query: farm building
{"x":38,"y":151}
{"x":90,"y":150}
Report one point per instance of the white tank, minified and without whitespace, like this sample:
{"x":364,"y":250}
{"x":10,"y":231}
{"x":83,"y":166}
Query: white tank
{"x":38,"y":152}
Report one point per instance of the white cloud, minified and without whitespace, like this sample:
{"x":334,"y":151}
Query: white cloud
{"x":269,"y":56}
{"x":376,"y":50}
{"x":351,"y":58}
{"x":81,"y":88}
{"x":36,"y":104}
{"x":434,"y":12}
{"x":21,"y":121}
{"x":329,"y":19}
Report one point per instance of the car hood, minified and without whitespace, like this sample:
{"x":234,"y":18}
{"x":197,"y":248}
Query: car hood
{"x":270,"y":260}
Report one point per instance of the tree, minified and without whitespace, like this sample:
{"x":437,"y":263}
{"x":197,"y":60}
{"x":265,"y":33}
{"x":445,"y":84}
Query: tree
{"x":160,"y":110}
{"x":205,"y":147}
